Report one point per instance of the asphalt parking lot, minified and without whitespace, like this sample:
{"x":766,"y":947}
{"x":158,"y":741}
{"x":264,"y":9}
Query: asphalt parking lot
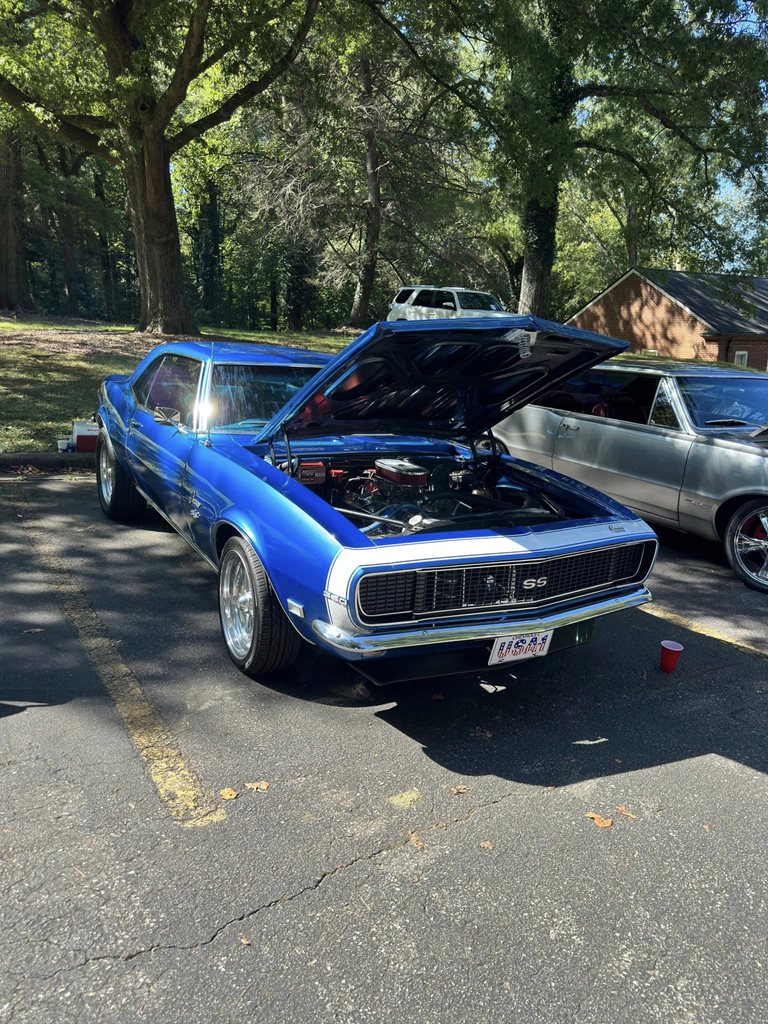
{"x":420,"y":853}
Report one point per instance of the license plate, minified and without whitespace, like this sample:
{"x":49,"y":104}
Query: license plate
{"x":520,"y":646}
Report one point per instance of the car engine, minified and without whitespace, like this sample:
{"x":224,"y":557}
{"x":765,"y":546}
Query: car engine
{"x":396,"y":496}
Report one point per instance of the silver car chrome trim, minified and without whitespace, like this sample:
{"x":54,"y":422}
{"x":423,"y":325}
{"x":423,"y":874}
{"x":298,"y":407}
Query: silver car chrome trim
{"x":373,"y":643}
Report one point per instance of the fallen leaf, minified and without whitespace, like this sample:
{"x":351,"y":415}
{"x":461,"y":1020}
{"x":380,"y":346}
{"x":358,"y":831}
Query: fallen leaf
{"x":600,"y":821}
{"x":260,"y":787}
{"x":626,"y":812}
{"x":617,"y":760}
{"x":35,"y":629}
{"x":707,"y":827}
{"x":416,"y":841}
{"x":244,"y":939}
{"x":458,"y":790}
{"x":405,"y":800}
{"x":228,"y":793}
{"x":486,"y":845}
{"x":438,"y":696}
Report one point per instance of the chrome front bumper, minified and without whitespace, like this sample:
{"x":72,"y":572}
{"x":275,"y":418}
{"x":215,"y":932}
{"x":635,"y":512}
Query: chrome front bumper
{"x":372,"y":644}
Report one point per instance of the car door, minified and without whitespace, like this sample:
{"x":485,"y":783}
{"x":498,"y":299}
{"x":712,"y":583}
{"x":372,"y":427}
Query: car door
{"x":422,"y":307}
{"x":630,"y":444}
{"x":445,"y":305}
{"x":161,"y":434}
{"x":530,"y":434}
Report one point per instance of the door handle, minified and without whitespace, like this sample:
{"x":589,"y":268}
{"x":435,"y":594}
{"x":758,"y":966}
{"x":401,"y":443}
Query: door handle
{"x":565,"y":427}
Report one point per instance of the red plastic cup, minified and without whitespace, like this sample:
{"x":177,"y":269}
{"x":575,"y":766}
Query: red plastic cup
{"x":670,"y":652}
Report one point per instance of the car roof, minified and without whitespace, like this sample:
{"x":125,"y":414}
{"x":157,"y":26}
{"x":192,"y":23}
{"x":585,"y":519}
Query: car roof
{"x":247,"y":352}
{"x":681,"y":369}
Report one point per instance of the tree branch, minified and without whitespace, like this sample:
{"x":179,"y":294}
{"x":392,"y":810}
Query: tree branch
{"x":448,"y":86}
{"x":602,"y":91}
{"x":69,"y":129}
{"x":221,"y":51}
{"x":254,"y":88}
{"x":622,"y":154}
{"x":188,"y":66}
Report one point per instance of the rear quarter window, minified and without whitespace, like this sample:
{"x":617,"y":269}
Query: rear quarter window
{"x":404,"y":294}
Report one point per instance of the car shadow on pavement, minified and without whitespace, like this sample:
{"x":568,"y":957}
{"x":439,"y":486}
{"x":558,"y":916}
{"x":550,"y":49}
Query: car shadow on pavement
{"x":601,"y":710}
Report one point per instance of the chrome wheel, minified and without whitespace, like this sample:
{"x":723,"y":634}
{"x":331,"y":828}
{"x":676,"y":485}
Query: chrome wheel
{"x":237,"y":604}
{"x":750,"y":544}
{"x":106,"y":473}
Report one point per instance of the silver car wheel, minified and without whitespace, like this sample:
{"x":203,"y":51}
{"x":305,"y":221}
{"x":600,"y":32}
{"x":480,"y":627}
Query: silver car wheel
{"x":751,"y":545}
{"x":238,"y":602}
{"x":106,"y":473}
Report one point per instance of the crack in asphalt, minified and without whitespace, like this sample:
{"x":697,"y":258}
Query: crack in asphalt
{"x":402,"y":844}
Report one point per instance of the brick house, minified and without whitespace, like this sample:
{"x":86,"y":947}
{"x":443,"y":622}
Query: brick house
{"x":712,"y":317}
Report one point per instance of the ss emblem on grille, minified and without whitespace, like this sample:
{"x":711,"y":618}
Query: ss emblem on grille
{"x":532,"y":584}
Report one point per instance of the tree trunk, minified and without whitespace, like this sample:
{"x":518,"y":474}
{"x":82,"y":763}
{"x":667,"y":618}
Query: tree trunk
{"x":209,"y":253}
{"x":106,"y":258}
{"x":273,"y":302}
{"x":539,"y":227}
{"x":156,"y":233}
{"x":14,"y":290}
{"x":65,"y":223}
{"x":360,"y":315}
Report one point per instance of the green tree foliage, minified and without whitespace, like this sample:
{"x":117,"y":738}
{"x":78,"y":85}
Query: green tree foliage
{"x":133,"y":82}
{"x":551,"y":80}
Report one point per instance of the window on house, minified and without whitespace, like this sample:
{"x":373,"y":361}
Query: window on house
{"x":741,"y":358}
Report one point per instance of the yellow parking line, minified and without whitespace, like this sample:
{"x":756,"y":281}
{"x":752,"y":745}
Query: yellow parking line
{"x":177,"y":784}
{"x":694,"y":627}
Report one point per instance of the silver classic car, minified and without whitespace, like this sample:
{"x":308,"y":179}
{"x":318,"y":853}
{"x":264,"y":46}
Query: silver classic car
{"x":683,"y":445}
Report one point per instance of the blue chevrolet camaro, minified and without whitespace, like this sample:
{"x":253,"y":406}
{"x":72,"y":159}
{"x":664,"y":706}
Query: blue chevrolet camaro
{"x":361,"y":503}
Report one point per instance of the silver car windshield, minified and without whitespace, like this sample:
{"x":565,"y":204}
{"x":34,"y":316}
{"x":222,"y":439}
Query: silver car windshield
{"x":479,"y":300}
{"x":724,"y":401}
{"x":244,"y":396}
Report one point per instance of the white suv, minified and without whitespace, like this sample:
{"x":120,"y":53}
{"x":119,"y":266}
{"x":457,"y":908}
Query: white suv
{"x":430,"y":302}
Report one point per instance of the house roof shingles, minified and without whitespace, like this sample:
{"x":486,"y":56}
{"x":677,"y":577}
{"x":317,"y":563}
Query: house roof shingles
{"x":728,"y":303}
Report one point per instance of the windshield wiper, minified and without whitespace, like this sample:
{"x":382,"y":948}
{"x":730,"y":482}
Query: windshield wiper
{"x":726,"y":423}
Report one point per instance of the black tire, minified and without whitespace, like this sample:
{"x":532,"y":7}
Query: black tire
{"x":484,"y":445}
{"x":118,"y":496}
{"x":258,"y":636}
{"x":746,"y":544}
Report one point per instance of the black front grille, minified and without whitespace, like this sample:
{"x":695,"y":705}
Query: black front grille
{"x":417,"y":593}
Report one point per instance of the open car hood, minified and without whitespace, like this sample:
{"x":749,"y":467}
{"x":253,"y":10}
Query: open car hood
{"x":449,"y":378}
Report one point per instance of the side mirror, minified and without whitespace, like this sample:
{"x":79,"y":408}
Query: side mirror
{"x":448,"y":305}
{"x":166,"y":415}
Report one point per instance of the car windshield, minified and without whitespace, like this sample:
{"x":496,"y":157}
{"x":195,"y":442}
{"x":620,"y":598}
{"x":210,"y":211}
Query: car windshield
{"x":726,"y":401}
{"x":479,"y":300}
{"x":245,"y":396}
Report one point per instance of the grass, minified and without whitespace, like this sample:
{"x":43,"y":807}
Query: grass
{"x":42,"y":392}
{"x":51,"y":368}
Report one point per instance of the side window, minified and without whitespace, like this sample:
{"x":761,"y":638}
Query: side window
{"x":627,"y":396}
{"x":444,"y":300}
{"x":579,"y":394}
{"x":424,"y":298}
{"x":144,"y":383}
{"x":404,"y":294}
{"x":174,"y":387}
{"x":663,"y":414}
